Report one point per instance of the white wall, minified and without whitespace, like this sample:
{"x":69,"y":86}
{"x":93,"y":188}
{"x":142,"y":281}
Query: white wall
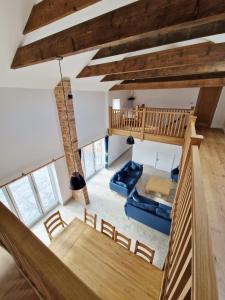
{"x":122,"y":95}
{"x":174,"y":98}
{"x":117,"y":146}
{"x":91,"y":116}
{"x":62,"y":176}
{"x":146,"y":152}
{"x":29,"y":131}
{"x":219,"y":117}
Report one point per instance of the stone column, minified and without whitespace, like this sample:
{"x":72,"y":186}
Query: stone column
{"x":69,"y":134}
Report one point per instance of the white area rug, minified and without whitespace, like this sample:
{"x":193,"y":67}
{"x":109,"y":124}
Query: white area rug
{"x":109,"y":205}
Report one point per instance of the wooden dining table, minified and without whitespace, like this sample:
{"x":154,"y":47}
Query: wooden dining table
{"x":107,"y":268}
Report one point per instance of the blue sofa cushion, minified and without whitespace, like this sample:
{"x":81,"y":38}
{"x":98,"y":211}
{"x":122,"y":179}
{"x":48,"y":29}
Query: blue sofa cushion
{"x":163,"y":213}
{"x":165,"y":207}
{"x":139,"y":198}
{"x":123,"y":184}
{"x":135,"y":195}
{"x":134,"y":167}
{"x":131,"y":182}
{"x":142,"y":205}
{"x":142,"y":202}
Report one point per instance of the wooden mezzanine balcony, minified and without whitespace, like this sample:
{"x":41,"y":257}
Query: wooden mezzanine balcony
{"x":154,"y":124}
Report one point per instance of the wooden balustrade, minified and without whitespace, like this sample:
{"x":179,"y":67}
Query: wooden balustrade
{"x":153,"y":121}
{"x":189,"y":272}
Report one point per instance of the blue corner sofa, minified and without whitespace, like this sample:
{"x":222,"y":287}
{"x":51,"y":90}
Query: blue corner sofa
{"x":125,"y":179}
{"x":175,"y":174}
{"x":148,"y":212}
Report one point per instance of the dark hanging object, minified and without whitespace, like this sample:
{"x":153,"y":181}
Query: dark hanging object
{"x":130,"y":140}
{"x":77,"y":182}
{"x":132,"y":98}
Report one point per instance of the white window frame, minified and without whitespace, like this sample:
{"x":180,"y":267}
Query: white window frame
{"x":12,"y":203}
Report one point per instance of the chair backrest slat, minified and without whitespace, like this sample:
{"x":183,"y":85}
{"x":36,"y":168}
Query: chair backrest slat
{"x":107,"y":229}
{"x":122,"y":240}
{"x":53,"y":222}
{"x":146,"y":252}
{"x":90,"y":219}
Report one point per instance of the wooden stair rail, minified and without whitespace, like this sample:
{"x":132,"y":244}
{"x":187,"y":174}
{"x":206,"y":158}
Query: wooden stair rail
{"x":46,"y":273}
{"x":189,"y":271}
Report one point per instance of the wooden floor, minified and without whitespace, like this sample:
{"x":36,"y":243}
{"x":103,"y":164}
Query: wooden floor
{"x":212,"y":154}
{"x":12,"y":284}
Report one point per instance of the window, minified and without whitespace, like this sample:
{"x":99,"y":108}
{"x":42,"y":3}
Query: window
{"x":89,"y":165}
{"x":32,"y":196}
{"x":99,"y":154}
{"x":25,"y":201}
{"x":3,"y":199}
{"x":116,"y":103}
{"x":92,"y":158}
{"x":45,"y":188}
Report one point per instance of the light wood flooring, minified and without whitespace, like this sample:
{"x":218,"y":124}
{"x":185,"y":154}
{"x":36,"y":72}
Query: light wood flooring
{"x":212,"y":154}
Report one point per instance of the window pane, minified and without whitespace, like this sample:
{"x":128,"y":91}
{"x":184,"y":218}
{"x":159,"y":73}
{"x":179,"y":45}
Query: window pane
{"x":99,"y":155}
{"x":3,"y":199}
{"x":44,"y":186}
{"x":25,"y":200}
{"x":89,"y":160}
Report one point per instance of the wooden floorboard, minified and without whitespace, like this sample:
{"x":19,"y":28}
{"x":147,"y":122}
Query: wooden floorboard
{"x":212,"y":154}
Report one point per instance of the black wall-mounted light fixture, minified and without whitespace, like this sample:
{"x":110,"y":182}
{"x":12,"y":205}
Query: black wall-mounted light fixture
{"x":131,"y":98}
{"x":130,"y":140}
{"x":77,"y":181}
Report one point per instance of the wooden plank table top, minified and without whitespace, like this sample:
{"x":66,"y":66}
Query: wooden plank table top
{"x":157,"y":184}
{"x":107,"y":268}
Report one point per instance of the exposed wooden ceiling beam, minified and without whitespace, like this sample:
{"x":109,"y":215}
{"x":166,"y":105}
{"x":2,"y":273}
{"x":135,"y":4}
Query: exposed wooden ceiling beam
{"x":115,"y":27}
{"x":198,"y":31}
{"x":178,"y":78}
{"x":170,"y":84}
{"x":166,"y":72}
{"x":188,"y":55}
{"x":48,"y":11}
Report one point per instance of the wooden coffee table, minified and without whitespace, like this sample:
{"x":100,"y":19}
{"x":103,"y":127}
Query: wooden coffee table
{"x":159,"y":185}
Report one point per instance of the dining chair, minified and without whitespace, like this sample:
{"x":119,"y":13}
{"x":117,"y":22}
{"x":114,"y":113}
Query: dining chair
{"x":107,"y":229}
{"x":146,"y":252}
{"x":122,"y":240}
{"x":53,"y":222}
{"x":90,"y":219}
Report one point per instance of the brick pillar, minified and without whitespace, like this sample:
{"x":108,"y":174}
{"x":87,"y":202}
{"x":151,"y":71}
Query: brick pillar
{"x":69,"y":134}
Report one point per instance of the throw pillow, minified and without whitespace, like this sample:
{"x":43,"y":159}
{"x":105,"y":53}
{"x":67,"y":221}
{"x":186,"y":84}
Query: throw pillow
{"x":124,"y":173}
{"x":135,"y":195}
{"x":133,"y":167}
{"x":119,"y":177}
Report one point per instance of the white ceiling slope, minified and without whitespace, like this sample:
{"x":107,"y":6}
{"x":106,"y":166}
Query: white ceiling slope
{"x":13,"y":17}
